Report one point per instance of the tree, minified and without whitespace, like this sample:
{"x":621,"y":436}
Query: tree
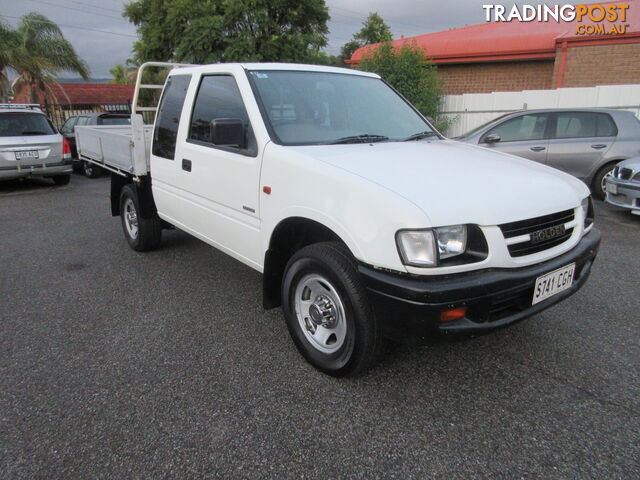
{"x":8,"y":43}
{"x":410,"y":72}
{"x":38,"y":51}
{"x":207,"y":31}
{"x":373,"y":30}
{"x":123,"y":74}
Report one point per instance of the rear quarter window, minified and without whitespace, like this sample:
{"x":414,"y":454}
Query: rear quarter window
{"x":168,"y":120}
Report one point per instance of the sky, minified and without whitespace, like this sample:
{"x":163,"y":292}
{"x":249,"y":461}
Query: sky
{"x":103,"y":38}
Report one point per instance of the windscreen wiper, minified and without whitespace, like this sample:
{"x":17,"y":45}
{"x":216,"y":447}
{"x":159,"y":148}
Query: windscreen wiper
{"x":34,"y":132}
{"x":364,"y":138}
{"x":420,"y":136}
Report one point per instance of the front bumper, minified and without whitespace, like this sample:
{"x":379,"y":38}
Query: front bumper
{"x":410,"y":307}
{"x":627,"y":194}
{"x":49,"y":170}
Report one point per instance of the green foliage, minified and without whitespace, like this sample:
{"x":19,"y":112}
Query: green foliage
{"x":38,"y":51}
{"x":123,"y":74}
{"x":208,"y":31}
{"x":373,"y":30}
{"x":348,"y":48}
{"x":410,"y":72}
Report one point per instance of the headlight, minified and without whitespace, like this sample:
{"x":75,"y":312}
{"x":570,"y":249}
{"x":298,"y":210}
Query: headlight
{"x":636,"y":177}
{"x":425,"y":248}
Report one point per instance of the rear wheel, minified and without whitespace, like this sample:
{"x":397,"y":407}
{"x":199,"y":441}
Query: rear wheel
{"x":62,"y":179}
{"x":90,"y":170}
{"x":142,"y":234}
{"x":327,"y":312}
{"x":599,"y":186}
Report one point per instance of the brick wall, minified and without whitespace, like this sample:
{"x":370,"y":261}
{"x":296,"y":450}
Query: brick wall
{"x":590,"y":66}
{"x":495,"y":77}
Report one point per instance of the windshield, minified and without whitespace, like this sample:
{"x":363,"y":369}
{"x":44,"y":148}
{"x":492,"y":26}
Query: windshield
{"x":313,"y":108}
{"x":19,"y":124}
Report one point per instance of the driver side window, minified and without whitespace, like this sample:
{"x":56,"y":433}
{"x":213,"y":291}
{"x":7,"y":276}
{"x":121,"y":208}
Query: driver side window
{"x":524,"y":127}
{"x":219,"y":98}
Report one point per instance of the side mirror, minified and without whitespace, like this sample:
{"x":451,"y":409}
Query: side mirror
{"x":228,"y":132}
{"x":493,"y":138}
{"x":431,"y":120}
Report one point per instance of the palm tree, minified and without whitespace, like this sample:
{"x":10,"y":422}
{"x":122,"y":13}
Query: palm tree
{"x":38,"y":54}
{"x":8,"y":42}
{"x":124,"y":74}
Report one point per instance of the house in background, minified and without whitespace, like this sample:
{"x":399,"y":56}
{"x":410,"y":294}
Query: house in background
{"x":76,"y":98}
{"x":515,"y":56}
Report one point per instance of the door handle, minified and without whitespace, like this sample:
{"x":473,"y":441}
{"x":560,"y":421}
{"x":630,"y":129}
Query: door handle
{"x":186,"y":165}
{"x":598,"y":146}
{"x":538,"y":149}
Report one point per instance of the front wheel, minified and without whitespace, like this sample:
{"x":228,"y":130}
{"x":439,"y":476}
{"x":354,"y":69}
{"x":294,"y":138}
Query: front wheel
{"x":142,"y":234}
{"x":326,"y":310}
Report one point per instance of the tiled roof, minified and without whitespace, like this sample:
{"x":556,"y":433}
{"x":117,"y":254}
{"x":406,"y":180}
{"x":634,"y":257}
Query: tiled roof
{"x":85,"y":93}
{"x":514,"y":40}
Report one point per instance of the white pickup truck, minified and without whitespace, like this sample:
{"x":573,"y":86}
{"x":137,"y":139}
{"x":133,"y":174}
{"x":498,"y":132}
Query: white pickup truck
{"x":365,"y":221}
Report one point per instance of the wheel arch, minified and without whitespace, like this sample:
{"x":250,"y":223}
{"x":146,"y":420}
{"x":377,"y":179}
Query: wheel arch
{"x":143,"y":189}
{"x":290,"y":235}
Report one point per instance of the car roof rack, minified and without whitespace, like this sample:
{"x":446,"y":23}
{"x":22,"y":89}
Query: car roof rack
{"x":20,"y":106}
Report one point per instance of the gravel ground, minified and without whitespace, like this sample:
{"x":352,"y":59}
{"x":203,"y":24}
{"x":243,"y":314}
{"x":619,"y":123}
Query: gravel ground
{"x":115,"y":364}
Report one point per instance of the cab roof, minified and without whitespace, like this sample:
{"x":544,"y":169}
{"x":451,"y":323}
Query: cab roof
{"x":294,"y":67}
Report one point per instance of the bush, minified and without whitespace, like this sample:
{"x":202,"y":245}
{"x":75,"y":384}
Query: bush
{"x":410,"y":72}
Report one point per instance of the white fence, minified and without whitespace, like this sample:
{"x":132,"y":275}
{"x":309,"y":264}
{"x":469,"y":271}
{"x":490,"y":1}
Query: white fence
{"x":473,"y":109}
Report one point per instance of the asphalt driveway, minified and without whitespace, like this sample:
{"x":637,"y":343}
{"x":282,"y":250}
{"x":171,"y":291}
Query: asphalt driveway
{"x":115,"y":364}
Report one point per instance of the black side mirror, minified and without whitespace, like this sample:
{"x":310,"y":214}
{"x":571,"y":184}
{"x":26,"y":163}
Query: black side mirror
{"x":228,"y":132}
{"x":431,"y":120}
{"x":493,"y":138}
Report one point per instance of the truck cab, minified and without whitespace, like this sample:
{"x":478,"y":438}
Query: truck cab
{"x":364,"y":220}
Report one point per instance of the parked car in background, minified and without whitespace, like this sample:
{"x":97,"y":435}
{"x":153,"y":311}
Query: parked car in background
{"x":31,"y":146}
{"x":587,"y":143}
{"x":623,"y":185}
{"x":68,"y":131}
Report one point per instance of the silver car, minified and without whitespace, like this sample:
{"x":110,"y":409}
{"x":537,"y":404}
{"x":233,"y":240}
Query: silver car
{"x":587,"y":143}
{"x":31,"y":146}
{"x":623,"y":185}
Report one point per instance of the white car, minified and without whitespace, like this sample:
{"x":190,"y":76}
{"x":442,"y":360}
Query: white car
{"x":364,"y":220}
{"x":623,"y":185}
{"x":31,"y":146}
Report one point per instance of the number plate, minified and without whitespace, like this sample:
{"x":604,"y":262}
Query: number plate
{"x":27,"y":154}
{"x":552,"y":283}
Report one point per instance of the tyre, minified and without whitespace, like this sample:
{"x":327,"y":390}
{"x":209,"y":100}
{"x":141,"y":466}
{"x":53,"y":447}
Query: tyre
{"x":142,"y":234}
{"x":62,"y":179}
{"x":327,"y":312}
{"x":598,"y":188}
{"x":90,"y":170}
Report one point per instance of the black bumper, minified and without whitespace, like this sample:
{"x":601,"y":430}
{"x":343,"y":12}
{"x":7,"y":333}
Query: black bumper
{"x":410,"y":307}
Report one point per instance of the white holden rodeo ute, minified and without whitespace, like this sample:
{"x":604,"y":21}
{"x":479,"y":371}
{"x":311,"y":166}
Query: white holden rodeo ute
{"x":365,"y":221}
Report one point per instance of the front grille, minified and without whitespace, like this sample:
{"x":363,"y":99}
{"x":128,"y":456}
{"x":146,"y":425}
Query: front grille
{"x":624,"y":173}
{"x":527,"y":227}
